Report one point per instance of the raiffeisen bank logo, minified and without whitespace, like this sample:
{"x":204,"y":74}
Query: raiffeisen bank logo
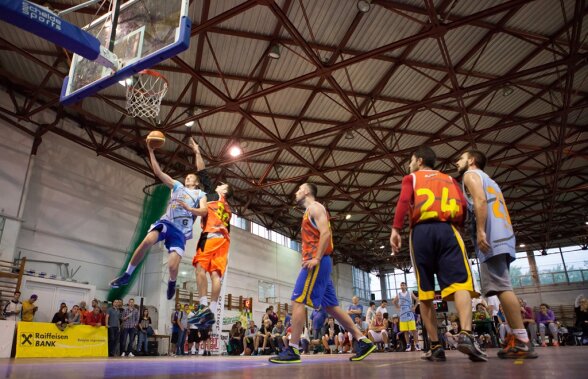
{"x":40,"y":339}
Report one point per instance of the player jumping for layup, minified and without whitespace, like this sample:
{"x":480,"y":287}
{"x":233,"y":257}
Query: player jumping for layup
{"x":175,"y":227}
{"x":314,"y":286}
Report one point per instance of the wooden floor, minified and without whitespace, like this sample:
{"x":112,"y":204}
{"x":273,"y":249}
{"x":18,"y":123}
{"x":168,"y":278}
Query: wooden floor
{"x":553,"y":363}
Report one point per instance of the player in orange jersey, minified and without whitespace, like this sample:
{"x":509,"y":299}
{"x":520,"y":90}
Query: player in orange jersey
{"x":213,"y":246}
{"x":436,"y":205}
{"x":314,"y":287}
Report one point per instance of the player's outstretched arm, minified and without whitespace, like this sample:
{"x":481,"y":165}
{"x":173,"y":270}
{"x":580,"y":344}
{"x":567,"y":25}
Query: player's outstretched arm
{"x":165,"y":178}
{"x":196,"y":149}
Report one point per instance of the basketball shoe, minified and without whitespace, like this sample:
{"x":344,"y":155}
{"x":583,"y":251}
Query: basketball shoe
{"x":171,"y":289}
{"x":436,"y":354}
{"x":120,"y":281}
{"x":364,"y":348}
{"x":517,"y":349}
{"x":468,"y":345}
{"x":289,"y":355}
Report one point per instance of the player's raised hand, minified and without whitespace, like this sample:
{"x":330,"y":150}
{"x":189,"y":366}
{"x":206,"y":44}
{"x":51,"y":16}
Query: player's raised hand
{"x":194,"y":145}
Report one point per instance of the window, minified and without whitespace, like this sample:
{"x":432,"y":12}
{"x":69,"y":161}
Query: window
{"x":259,"y":230}
{"x":550,"y":267}
{"x":361,"y":284}
{"x":520,"y":271}
{"x":239,"y":222}
{"x":375,"y":287}
{"x":576,"y":261}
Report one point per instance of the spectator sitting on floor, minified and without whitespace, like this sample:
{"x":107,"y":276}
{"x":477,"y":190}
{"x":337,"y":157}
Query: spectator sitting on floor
{"x":235,"y":338}
{"x":529,"y":321}
{"x":451,"y":335}
{"x":331,"y":335}
{"x":482,"y":324}
{"x":29,"y":309}
{"x":60,"y":318}
{"x":377,"y":331}
{"x":545,"y":319}
{"x":394,"y":332}
{"x":264,"y":336}
{"x":74,"y":316}
{"x":278,"y":332}
{"x":581,"y":310}
{"x":250,"y":337}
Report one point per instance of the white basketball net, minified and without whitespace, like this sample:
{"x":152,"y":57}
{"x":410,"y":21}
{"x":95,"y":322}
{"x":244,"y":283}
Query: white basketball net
{"x":145,"y":93}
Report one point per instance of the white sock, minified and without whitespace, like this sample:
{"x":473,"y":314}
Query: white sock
{"x":521,"y":334}
{"x":204,"y":300}
{"x":130,"y":269}
{"x":213,"y":305}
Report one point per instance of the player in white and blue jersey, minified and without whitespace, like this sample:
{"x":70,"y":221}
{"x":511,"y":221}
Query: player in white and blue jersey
{"x":174,"y":227}
{"x":494,"y":240}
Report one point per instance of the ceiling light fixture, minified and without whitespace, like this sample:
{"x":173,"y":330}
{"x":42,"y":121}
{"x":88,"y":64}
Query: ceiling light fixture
{"x":381,"y":247}
{"x":522,"y":245}
{"x":364,"y":6}
{"x":507,"y":91}
{"x":235,"y":151}
{"x":349,"y":135}
{"x":348,"y":217}
{"x":274,"y":52}
{"x":191,"y":112}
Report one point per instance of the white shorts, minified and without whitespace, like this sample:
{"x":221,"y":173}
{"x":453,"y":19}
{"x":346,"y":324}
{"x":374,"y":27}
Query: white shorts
{"x":378,"y":336}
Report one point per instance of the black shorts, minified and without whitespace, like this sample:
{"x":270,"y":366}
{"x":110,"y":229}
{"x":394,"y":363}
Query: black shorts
{"x":174,"y":337}
{"x":436,"y":248}
{"x":193,"y":336}
{"x":204,"y":334}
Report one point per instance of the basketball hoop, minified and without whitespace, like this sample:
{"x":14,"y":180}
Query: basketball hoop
{"x":145,"y":93}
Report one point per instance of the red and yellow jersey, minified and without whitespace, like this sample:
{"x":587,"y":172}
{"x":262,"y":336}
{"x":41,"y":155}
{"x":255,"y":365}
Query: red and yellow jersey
{"x":437,"y":197}
{"x":311,"y":235}
{"x":218,"y":218}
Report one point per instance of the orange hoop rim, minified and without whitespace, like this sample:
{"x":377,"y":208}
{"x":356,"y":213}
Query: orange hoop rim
{"x":154,"y":73}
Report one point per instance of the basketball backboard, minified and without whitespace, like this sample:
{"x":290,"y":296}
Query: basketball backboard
{"x":148,"y":32}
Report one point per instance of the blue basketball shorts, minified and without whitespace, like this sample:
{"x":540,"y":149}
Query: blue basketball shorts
{"x":314,"y":287}
{"x":173,"y":237}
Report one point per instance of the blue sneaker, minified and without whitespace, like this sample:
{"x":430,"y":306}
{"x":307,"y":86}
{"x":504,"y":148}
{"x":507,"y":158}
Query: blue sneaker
{"x":171,"y":290}
{"x":289,"y":355}
{"x":121,"y":281}
{"x":203,"y":319}
{"x":364,"y":348}
{"x":195,"y":319}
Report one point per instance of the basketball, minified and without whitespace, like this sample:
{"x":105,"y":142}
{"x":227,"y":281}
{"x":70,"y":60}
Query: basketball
{"x":247,"y":351}
{"x":155,"y":139}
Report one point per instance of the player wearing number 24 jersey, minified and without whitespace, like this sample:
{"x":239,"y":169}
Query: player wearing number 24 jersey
{"x":436,"y":205}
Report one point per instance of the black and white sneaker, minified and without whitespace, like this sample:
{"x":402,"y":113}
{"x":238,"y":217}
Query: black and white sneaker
{"x":468,"y":345}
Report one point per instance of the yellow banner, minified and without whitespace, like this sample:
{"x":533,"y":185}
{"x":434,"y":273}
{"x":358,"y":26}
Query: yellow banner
{"x":41,"y":339}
